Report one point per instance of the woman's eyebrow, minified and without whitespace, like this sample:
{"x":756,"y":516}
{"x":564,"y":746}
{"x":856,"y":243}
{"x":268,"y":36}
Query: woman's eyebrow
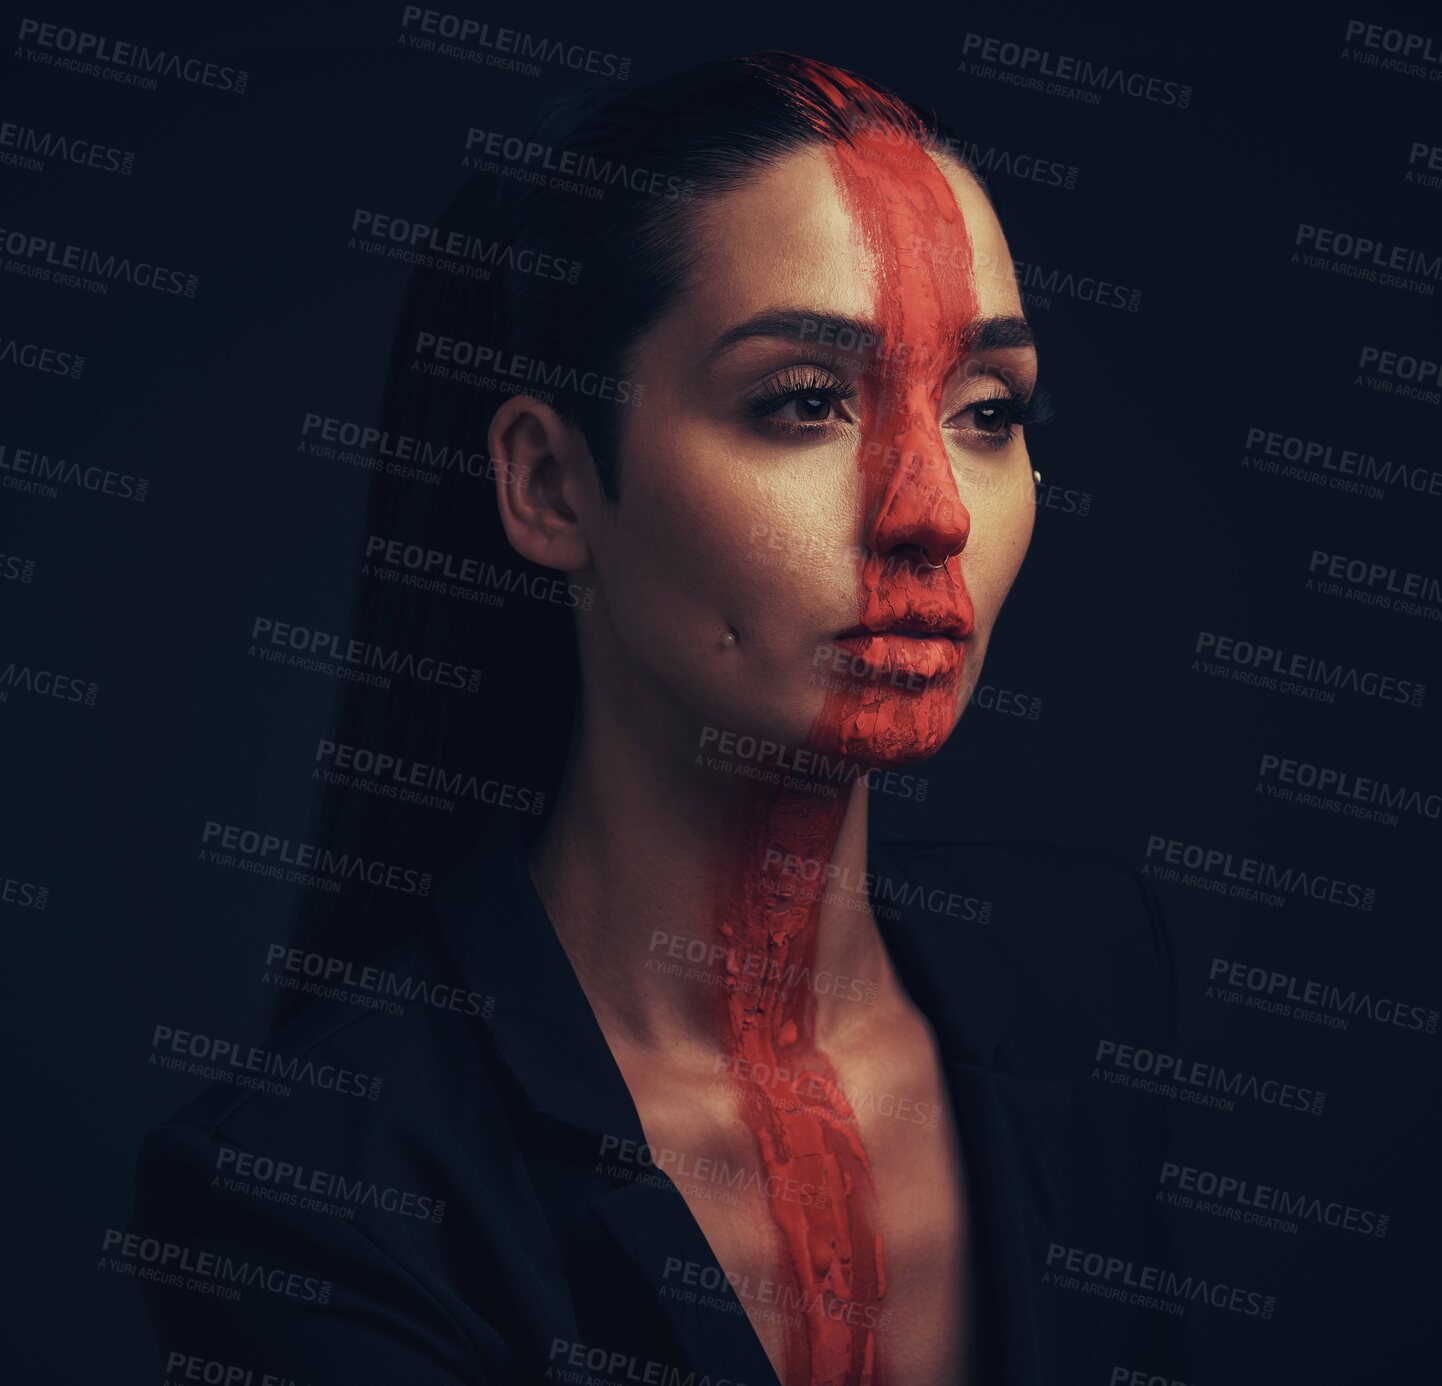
{"x":996,"y":334}
{"x":854,"y":334}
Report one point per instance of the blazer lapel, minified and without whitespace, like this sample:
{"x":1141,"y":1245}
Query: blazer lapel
{"x":655,"y":1230}
{"x":547,"y":1035}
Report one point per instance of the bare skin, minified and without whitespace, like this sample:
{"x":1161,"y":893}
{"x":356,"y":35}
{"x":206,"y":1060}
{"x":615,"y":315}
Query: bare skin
{"x":686,"y":1093}
{"x":889,"y":1063}
{"x":695,"y":630}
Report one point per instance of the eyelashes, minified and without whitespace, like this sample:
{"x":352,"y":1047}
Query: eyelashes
{"x":997,"y":417}
{"x":811,"y":400}
{"x":817,"y":394}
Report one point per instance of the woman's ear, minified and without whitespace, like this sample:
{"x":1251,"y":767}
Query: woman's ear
{"x":544,"y":481}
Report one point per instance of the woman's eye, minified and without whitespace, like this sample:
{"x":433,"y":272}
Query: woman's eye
{"x":990,"y":415}
{"x":802,"y":399}
{"x":811,"y":408}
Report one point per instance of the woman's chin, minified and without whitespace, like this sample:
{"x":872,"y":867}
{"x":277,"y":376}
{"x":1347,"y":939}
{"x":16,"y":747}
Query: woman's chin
{"x":887,"y":737}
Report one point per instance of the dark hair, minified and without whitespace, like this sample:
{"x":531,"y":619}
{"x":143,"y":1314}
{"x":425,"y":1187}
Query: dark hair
{"x":586,"y":275}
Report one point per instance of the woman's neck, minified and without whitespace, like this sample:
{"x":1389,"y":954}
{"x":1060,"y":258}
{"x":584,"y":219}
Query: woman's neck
{"x":662,"y":881}
{"x":730,"y":930}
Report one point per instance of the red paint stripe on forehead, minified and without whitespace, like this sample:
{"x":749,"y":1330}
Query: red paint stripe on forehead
{"x":909,"y":219}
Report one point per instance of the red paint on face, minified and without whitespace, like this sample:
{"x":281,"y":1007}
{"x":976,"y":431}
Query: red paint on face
{"x":907,"y":218}
{"x":914,"y":523}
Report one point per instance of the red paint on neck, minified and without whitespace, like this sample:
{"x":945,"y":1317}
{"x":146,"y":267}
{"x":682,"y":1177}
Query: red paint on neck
{"x":905,"y":215}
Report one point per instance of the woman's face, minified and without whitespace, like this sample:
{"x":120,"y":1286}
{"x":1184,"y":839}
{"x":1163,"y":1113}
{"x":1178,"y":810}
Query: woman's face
{"x":827,"y":450}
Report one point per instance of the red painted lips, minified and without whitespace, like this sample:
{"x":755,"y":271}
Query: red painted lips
{"x":912,"y":647}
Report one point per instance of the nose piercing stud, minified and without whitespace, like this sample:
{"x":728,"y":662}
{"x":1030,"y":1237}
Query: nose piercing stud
{"x":1036,"y":476}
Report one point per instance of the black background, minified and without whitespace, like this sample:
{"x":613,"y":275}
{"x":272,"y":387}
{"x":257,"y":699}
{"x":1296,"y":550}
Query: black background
{"x":1197,"y":208}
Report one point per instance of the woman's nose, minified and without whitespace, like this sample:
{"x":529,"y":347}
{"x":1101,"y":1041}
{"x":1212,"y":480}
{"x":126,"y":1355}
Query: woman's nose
{"x":919,"y":507}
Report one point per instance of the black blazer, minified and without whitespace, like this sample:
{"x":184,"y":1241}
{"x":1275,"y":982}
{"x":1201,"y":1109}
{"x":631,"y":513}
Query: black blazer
{"x":470,"y":1223}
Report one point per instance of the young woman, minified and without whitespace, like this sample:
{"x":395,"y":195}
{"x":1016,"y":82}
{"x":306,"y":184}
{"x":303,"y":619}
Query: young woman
{"x":749,"y":1096}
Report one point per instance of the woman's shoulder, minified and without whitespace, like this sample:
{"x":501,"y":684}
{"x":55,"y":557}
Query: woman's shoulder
{"x":349,"y":1105}
{"x":314,"y":1184}
{"x":349,"y":1040}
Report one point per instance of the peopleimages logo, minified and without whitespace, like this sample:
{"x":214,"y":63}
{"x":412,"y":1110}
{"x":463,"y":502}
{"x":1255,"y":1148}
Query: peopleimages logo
{"x":502,"y":47}
{"x":1150,"y":1286}
{"x":1411,"y":55}
{"x":1006,"y":701}
{"x":1364,"y":257}
{"x":796,"y":767}
{"x":530,"y":161}
{"x":1362,"y":573}
{"x":441,"y":353}
{"x":1029,"y":168}
{"x":325,"y":652}
{"x":1347,"y":469}
{"x":812,"y":878}
{"x":30,"y":471}
{"x":375,"y":449}
{"x":1038,"y":284}
{"x":1250,"y":877}
{"x":284,"y":1181}
{"x":457,"y":251}
{"x":1430,"y":157}
{"x":434,"y":570}
{"x":1261,"y":1205}
{"x":721,"y":965}
{"x":804,"y":1090}
{"x":25,"y":895}
{"x":31,"y":356}
{"x":984,"y":159}
{"x":168,"y":1263}
{"x":265,"y":854}
{"x":129,"y":63}
{"x":1283,"y":993}
{"x":1172,"y":1075}
{"x":32,"y":147}
{"x":191,"y":1366}
{"x":232,"y":1062}
{"x":680,"y":1166}
{"x":14,"y":568}
{"x":1029,"y":65}
{"x":1375,"y":584}
{"x":415,"y":782}
{"x":1341,"y":791}
{"x":375,"y":988}
{"x":701,"y":1283}
{"x":60,"y":262}
{"x":46,"y":683}
{"x":1392,"y":373}
{"x":1275,"y":669}
{"x":614,"y":1366}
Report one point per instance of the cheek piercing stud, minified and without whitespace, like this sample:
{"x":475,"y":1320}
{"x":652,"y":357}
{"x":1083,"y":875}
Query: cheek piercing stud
{"x":1036,"y":476}
{"x":729,"y":639}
